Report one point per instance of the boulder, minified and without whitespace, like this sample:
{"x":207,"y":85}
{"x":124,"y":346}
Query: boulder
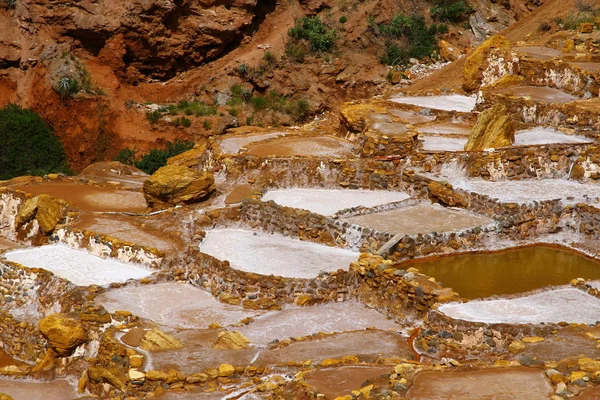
{"x":586,"y":27}
{"x":495,"y":128}
{"x":476,"y":63}
{"x":448,"y":51}
{"x":444,"y":194}
{"x":48,"y":211}
{"x":111,"y":375}
{"x":190,"y":158}
{"x":63,"y":332}
{"x":232,"y":341}
{"x":4,"y":396}
{"x":354,"y":116}
{"x":178,"y":184}
{"x":157,"y":340}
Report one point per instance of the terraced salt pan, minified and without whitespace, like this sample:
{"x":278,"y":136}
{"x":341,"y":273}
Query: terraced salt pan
{"x":438,"y":143}
{"x":446,"y":128}
{"x":453,"y":102}
{"x":552,"y":306}
{"x":234,"y":144}
{"x":21,"y":389}
{"x":304,"y":321}
{"x":173,"y":304}
{"x":78,"y":266}
{"x":541,"y":93}
{"x":330,"y":201}
{"x":266,"y":254}
{"x":543,"y":135}
{"x":530,"y":190}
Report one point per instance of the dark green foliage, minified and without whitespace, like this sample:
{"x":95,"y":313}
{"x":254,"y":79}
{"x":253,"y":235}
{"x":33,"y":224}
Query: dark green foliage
{"x":455,"y":11}
{"x":154,"y":116}
{"x":197,"y":108}
{"x":318,"y":35}
{"x":419,"y":40}
{"x":296,"y":51}
{"x":238,"y":96}
{"x":67,"y":86}
{"x":182,"y":121}
{"x":343,"y":19}
{"x":28,"y":145}
{"x":207,"y":125}
{"x":155,"y":158}
{"x":259,"y":103}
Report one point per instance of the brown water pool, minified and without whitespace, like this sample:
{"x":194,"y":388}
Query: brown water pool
{"x":334,"y":382}
{"x":475,"y":275}
{"x":318,"y":146}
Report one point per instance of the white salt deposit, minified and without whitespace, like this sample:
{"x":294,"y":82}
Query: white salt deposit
{"x":438,"y":143}
{"x":568,"y":305}
{"x":234,"y":144}
{"x":78,"y":266}
{"x":330,"y":201}
{"x":453,"y":102}
{"x":173,"y":304}
{"x":529,"y":190}
{"x":545,"y":135}
{"x":275,"y":254}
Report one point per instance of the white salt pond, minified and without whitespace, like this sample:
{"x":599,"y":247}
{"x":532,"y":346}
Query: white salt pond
{"x":77,"y":266}
{"x":530,"y":190}
{"x":545,"y":135}
{"x":568,"y":305}
{"x":22,"y":389}
{"x":274,"y":254}
{"x":453,"y":102}
{"x":438,"y":143}
{"x":234,"y":144}
{"x":173,"y":304}
{"x":330,"y":201}
{"x":304,"y":321}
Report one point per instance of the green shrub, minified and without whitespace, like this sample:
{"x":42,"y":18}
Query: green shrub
{"x":451,"y":11}
{"x":197,"y":108}
{"x":269,"y":58}
{"x":419,"y":39}
{"x":311,"y":29}
{"x":259,"y":103}
{"x":296,"y":51}
{"x":67,"y":87}
{"x":155,"y":158}
{"x":154,"y":116}
{"x":28,"y":145}
{"x":182,"y":121}
{"x":573,"y":20}
{"x":393,"y":54}
{"x":343,"y":19}
{"x":207,"y":125}
{"x":233,"y":112}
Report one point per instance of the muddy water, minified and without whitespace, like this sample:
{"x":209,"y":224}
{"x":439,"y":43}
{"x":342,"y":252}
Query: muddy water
{"x":539,"y":52}
{"x":239,"y":193}
{"x":90,"y":198}
{"x":304,"y":321}
{"x":319,"y":200}
{"x":334,"y":382}
{"x":509,"y":383}
{"x":452,"y":102}
{"x":367,"y":345}
{"x":420,"y":218}
{"x":542,"y":93}
{"x":269,"y":253}
{"x":438,"y":143}
{"x":592,"y":393}
{"x":78,"y":266}
{"x":234,"y":144}
{"x":320,"y":146}
{"x":128,"y":230}
{"x":386,"y":124}
{"x":512,"y":271}
{"x":33,"y":390}
{"x":173,"y":304}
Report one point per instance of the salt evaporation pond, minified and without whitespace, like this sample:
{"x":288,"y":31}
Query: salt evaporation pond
{"x":545,"y":135}
{"x":494,"y":383}
{"x":304,"y":321}
{"x":173,"y":304}
{"x":77,"y":266}
{"x":316,"y":146}
{"x":274,"y":254}
{"x":233,"y":145}
{"x":453,"y":102}
{"x":446,"y":128}
{"x":438,"y":143}
{"x":529,"y":190}
{"x":475,"y":275}
{"x":334,"y":382}
{"x":320,"y":201}
{"x":21,"y":389}
{"x":542,"y":93}
{"x":558,"y":305}
{"x":419,"y":218}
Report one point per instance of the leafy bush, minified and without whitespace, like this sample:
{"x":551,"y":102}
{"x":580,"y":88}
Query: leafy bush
{"x":451,"y":11}
{"x":296,"y":51}
{"x":573,"y":20}
{"x":182,"y":121}
{"x":28,"y":145}
{"x":420,"y":40}
{"x":343,"y":19}
{"x":207,"y":125}
{"x":311,"y":29}
{"x":154,"y":116}
{"x":197,"y":108}
{"x":67,"y":86}
{"x":155,"y":158}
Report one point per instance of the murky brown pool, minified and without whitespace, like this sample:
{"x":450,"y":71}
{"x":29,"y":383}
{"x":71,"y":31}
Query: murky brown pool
{"x":539,"y":52}
{"x":319,"y":146}
{"x":547,"y":94}
{"x":22,"y":389}
{"x":90,"y":198}
{"x":334,"y":382}
{"x":517,"y":270}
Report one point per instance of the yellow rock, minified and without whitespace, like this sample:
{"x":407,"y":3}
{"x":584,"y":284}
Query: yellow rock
{"x":354,"y":116}
{"x":445,"y":194}
{"x":366,"y":391}
{"x":346,"y":397}
{"x":136,"y":361}
{"x":63,"y":333}
{"x":329,"y":362}
{"x":155,"y":375}
{"x":402,"y":369}
{"x":190,"y":158}
{"x":507,"y":81}
{"x":576,"y":375}
{"x":178,"y":184}
{"x":448,"y":51}
{"x":111,"y":375}
{"x":589,"y":365}
{"x":516,"y":347}
{"x":494,"y":128}
{"x":532,"y":339}
{"x":156,"y":340}
{"x":4,"y":396}
{"x":48,"y":210}
{"x":226,"y":370}
{"x":231,"y":340}
{"x":136,"y":377}
{"x":476,"y":61}
{"x":568,"y":46}
{"x":586,"y":27}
